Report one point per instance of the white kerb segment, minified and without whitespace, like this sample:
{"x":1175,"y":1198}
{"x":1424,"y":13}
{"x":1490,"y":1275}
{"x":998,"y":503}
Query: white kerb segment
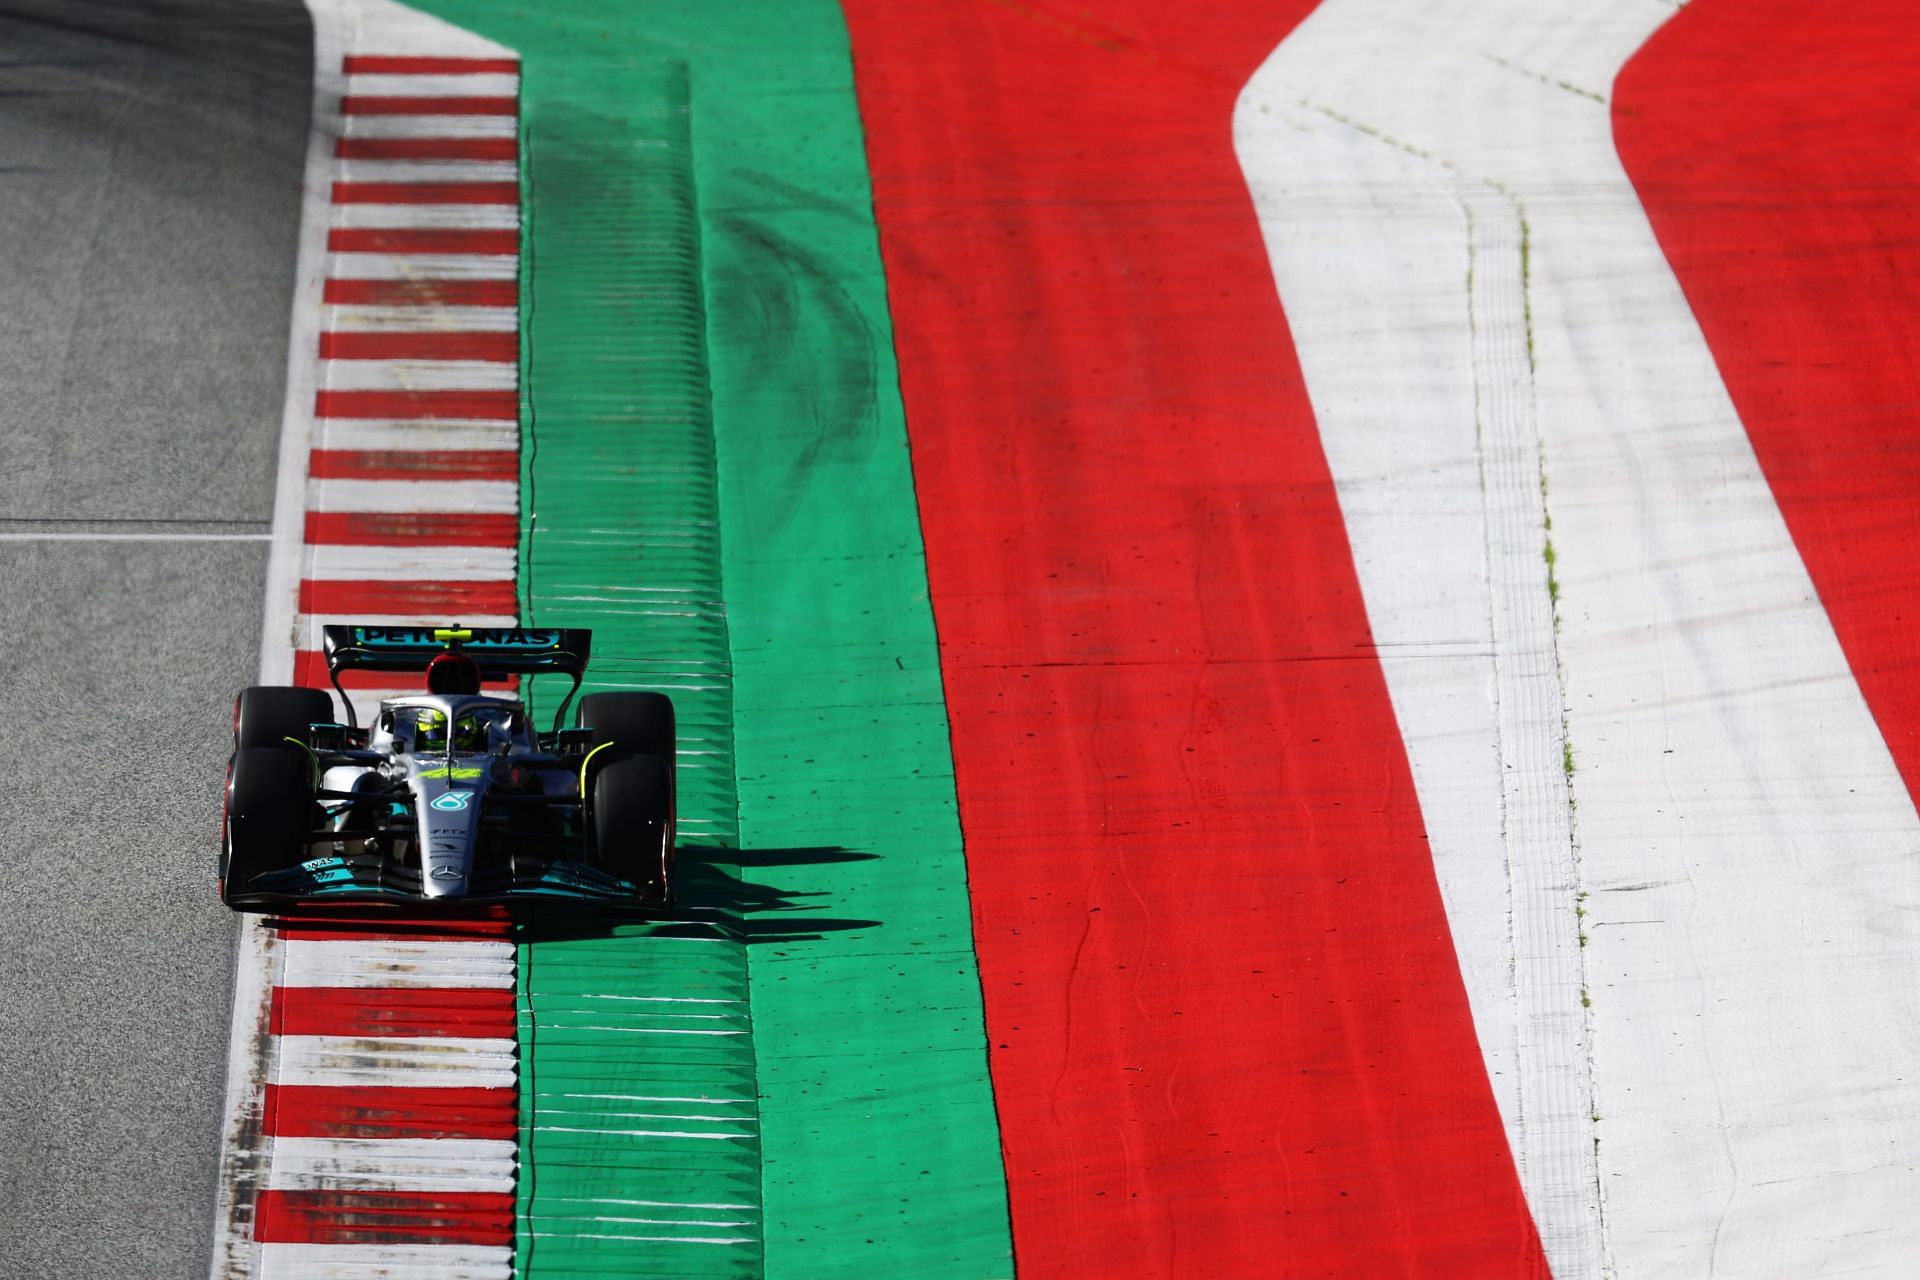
{"x":373,"y":1062}
{"x":478,"y":84}
{"x":464,"y":217}
{"x":434,"y":126}
{"x":397,"y":963}
{"x":417,"y":433}
{"x":499,"y":497}
{"x":428,"y":171}
{"x":407,"y":564}
{"x":425,"y":266}
{"x":359,"y":319}
{"x":394,"y":1164}
{"x":1464,"y":267}
{"x":420,"y":375}
{"x":385,"y":1262}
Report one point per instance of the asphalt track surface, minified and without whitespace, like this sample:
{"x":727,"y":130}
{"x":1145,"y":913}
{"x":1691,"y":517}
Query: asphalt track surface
{"x":150,"y":165}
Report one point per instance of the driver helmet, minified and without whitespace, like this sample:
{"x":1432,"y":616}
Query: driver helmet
{"x":453,"y":672}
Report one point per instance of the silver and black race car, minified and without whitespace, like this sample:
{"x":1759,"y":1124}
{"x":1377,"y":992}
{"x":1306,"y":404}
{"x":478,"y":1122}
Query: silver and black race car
{"x":449,"y":796}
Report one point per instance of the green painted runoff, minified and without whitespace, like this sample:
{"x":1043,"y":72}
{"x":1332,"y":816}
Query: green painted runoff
{"x":878,"y":1143}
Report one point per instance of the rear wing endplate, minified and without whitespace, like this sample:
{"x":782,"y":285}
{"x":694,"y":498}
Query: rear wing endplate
{"x":498,"y":651}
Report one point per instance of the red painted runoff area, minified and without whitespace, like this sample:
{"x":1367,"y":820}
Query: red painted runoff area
{"x":1774,"y":146}
{"x":1229,"y":1034}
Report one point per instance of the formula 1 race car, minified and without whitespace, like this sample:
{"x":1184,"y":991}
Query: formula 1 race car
{"x":450,"y":796}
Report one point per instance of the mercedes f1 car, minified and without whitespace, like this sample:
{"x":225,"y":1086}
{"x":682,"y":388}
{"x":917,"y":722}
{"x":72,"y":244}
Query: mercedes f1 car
{"x":450,"y":796}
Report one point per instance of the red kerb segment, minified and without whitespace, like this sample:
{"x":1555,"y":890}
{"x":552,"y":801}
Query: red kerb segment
{"x":377,"y":597}
{"x":426,"y":193}
{"x":422,"y":240}
{"x":392,"y":1011}
{"x":384,"y":1217}
{"x":427,"y":149}
{"x":414,"y":464}
{"x":361,"y":105}
{"x":411,"y":529}
{"x":422,"y":293}
{"x":1229,"y":1037}
{"x":366,"y":64}
{"x":327,"y":1111}
{"x":1773,"y":143}
{"x":388,"y":344}
{"x":490,"y":921}
{"x":486,"y":406}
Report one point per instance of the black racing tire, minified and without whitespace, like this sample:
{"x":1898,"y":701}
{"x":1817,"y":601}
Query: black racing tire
{"x":633,"y":821}
{"x":269,"y":809}
{"x":637,"y":724}
{"x":266,"y":715}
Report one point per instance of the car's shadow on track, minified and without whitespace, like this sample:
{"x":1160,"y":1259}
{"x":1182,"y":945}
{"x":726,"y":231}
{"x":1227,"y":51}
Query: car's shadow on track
{"x":724,"y":892}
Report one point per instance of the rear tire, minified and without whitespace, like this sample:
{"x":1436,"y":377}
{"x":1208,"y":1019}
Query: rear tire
{"x":633,"y":823}
{"x":269,"y":809}
{"x":266,"y":715}
{"x":637,"y":724}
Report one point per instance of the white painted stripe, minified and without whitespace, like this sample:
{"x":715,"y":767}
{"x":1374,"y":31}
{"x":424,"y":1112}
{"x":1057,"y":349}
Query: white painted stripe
{"x":498,"y":497}
{"x":385,"y":1262}
{"x":428,"y":319}
{"x":435,"y":126}
{"x":1740,"y":827}
{"x":471,"y":84}
{"x":395,"y":1062}
{"x":419,"y":375}
{"x":388,"y":217}
{"x":424,"y":266}
{"x":398,"y":963}
{"x":403,"y":433}
{"x":412,"y":564}
{"x":393,"y":1164}
{"x":1373,"y":250}
{"x":428,"y":171}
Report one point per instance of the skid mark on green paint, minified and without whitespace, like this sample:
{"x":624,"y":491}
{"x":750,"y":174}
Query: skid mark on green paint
{"x":639,"y":1109}
{"x":879,"y":1142}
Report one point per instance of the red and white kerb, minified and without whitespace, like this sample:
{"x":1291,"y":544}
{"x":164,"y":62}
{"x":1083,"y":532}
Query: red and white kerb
{"x":387,"y":1097}
{"x":413,"y":489}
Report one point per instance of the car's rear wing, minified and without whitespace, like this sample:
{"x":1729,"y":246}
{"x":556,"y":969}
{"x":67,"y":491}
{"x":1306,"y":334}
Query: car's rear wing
{"x":498,"y":652}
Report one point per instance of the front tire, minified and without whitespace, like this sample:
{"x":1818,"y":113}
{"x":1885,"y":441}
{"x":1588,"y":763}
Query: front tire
{"x":266,"y":715}
{"x":637,"y":724}
{"x":269,"y":808}
{"x":633,"y":824}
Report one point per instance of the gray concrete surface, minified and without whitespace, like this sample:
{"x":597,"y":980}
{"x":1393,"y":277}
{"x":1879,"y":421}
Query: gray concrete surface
{"x":150,"y":162}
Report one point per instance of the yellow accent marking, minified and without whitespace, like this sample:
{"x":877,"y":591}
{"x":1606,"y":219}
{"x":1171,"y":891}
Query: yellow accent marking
{"x":313,"y":760}
{"x":583,"y":768}
{"x":447,"y":635}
